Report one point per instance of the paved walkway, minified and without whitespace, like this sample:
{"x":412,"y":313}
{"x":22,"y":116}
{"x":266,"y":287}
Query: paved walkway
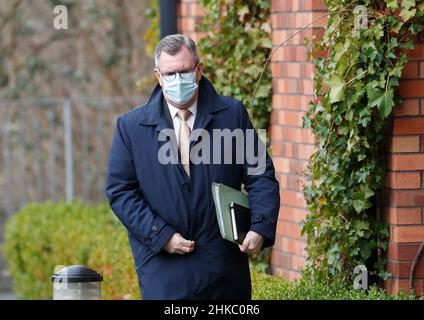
{"x":6,"y":291}
{"x":5,"y":295}
{"x":6,"y":288}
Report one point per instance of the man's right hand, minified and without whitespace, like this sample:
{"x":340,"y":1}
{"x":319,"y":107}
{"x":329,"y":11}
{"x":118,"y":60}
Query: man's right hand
{"x":177,"y":244}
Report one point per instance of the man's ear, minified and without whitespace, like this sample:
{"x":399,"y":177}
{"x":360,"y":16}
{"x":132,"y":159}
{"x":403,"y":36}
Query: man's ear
{"x":157,"y":74}
{"x":199,"y":72}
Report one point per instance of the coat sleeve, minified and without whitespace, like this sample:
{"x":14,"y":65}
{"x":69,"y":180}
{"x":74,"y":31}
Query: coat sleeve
{"x":260,"y":183}
{"x":125,"y":199}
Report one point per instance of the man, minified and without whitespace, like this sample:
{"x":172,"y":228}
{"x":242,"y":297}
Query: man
{"x":168,"y":208}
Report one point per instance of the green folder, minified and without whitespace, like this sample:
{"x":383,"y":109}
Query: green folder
{"x":223,"y":196}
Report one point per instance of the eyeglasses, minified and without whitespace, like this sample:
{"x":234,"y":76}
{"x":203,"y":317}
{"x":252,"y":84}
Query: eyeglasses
{"x":185,"y":74}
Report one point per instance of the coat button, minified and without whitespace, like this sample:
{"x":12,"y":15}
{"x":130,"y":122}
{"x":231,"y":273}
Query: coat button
{"x":155,"y":228}
{"x":186,"y":186}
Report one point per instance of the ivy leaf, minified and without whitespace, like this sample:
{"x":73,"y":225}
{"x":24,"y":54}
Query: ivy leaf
{"x":395,"y":24}
{"x":242,"y":12}
{"x":266,"y":27}
{"x":367,"y":248}
{"x":374,"y":96}
{"x":263,"y":91}
{"x":336,"y":84}
{"x":361,"y":157}
{"x":253,"y":70}
{"x":368,"y":192}
{"x":362,"y":225}
{"x":408,"y":4}
{"x":407,"y":14}
{"x":392,"y":4}
{"x":266,"y":43}
{"x":387,"y":105}
{"x":359,"y":205}
{"x":333,"y":254}
{"x":306,"y":122}
{"x":415,"y":28}
{"x":381,"y":99}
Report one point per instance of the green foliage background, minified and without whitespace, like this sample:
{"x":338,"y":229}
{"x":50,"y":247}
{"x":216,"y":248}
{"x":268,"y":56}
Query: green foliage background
{"x":152,"y":35}
{"x":357,"y":79}
{"x":42,"y":236}
{"x":234,"y":50}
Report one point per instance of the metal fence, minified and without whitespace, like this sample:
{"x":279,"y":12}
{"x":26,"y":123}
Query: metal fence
{"x":55,"y":149}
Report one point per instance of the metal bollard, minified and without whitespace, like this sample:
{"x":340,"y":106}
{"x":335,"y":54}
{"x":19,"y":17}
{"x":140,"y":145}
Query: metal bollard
{"x":77,"y":283}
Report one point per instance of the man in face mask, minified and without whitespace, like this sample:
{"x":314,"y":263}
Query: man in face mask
{"x":179,"y":75}
{"x":168,"y":209}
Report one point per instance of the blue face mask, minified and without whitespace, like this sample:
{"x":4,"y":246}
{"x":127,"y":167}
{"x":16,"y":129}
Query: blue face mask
{"x":181,"y":89}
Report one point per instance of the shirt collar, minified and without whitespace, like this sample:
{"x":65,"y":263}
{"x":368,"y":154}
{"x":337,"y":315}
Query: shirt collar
{"x":173,"y":110}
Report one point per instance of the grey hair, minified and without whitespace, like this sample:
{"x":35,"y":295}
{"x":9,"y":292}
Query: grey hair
{"x":172,"y":45}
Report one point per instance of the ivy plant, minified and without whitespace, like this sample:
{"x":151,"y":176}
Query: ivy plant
{"x":357,"y":78}
{"x":236,"y":45}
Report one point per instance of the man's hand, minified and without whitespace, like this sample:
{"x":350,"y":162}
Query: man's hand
{"x":252,"y":243}
{"x":177,"y":244}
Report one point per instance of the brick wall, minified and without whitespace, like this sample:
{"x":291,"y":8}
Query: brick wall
{"x":291,"y":145}
{"x":190,"y":13}
{"x":404,"y":197}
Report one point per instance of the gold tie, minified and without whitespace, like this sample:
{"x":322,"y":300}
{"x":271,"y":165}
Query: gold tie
{"x":184,"y":139}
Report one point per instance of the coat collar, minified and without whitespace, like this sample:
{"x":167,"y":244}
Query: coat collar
{"x":209,"y":102}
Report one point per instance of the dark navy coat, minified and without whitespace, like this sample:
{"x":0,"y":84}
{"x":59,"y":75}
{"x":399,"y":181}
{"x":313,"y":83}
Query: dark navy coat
{"x":154,"y":200}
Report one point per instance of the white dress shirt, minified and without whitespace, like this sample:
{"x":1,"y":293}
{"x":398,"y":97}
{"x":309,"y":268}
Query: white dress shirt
{"x":176,"y":121}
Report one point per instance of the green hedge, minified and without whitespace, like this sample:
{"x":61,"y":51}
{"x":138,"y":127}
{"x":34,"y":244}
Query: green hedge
{"x":308,"y":288}
{"x":42,"y":236}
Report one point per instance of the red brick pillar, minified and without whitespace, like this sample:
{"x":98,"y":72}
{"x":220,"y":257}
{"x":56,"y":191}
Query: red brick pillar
{"x":291,"y":145}
{"x":405,"y":178}
{"x":190,"y":13}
